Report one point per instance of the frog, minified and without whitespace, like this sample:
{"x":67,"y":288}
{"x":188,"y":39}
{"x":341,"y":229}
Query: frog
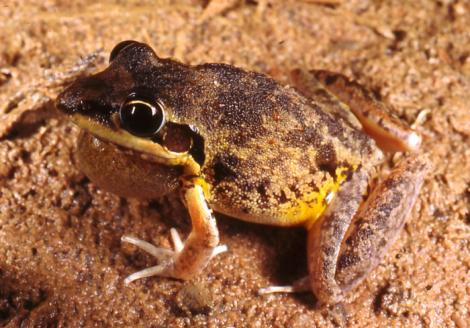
{"x":239,"y":143}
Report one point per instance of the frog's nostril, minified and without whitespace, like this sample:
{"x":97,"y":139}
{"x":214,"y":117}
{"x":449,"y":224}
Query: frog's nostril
{"x":61,"y":102}
{"x":69,"y":101}
{"x":65,"y":103}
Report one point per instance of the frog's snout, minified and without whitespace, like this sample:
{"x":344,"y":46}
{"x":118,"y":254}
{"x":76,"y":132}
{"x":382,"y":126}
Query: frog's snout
{"x":86,"y":96}
{"x":73,"y":99}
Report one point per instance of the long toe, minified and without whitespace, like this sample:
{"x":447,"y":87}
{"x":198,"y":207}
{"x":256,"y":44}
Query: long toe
{"x":161,"y":254}
{"x":157,"y":270}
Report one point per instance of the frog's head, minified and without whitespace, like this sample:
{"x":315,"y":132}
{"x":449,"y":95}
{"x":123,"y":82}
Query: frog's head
{"x":122,"y":104}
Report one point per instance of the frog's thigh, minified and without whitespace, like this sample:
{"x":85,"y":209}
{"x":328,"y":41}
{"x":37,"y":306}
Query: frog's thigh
{"x":325,"y":237}
{"x":379,"y":221}
{"x":390,"y":133}
{"x":375,"y":227}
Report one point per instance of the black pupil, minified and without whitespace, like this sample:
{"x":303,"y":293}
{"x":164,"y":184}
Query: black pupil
{"x":141,"y":119}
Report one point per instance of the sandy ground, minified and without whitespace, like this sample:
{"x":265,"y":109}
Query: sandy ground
{"x":61,"y":260}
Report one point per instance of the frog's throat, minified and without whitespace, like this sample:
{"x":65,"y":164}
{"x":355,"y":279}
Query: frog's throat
{"x":149,"y":149}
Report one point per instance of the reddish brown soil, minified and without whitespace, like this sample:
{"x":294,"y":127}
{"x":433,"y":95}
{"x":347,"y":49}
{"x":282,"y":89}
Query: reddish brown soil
{"x":61,"y":259}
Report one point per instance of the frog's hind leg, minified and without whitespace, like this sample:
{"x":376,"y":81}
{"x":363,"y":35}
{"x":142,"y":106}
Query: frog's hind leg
{"x":325,"y":238}
{"x":338,"y":259}
{"x":188,"y":258}
{"x":351,"y":238}
{"x":326,"y":235}
{"x":384,"y":213}
{"x":390,"y":133}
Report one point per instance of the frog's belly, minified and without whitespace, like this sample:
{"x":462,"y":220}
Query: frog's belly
{"x":303,"y":210}
{"x":288,"y":215}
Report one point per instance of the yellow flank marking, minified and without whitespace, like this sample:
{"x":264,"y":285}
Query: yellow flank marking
{"x":204,"y":185}
{"x":311,"y":206}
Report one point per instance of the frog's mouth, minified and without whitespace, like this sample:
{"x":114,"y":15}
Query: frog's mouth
{"x":146,"y":148}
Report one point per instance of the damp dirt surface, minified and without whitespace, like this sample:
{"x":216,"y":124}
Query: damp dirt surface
{"x":62,"y":263}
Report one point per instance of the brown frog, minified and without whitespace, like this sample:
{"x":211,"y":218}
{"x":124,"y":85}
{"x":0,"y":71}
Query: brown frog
{"x":241,"y":144}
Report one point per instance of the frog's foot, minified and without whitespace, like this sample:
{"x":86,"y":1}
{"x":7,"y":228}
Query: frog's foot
{"x":188,"y":258}
{"x":163,"y":255}
{"x":179,"y":245}
{"x":300,"y":286}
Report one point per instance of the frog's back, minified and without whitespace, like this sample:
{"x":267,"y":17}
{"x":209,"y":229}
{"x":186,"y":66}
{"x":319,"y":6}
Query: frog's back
{"x":271,"y":156}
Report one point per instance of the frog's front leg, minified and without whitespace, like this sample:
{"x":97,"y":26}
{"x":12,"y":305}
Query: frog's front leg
{"x":188,"y":258}
{"x":350,"y":240}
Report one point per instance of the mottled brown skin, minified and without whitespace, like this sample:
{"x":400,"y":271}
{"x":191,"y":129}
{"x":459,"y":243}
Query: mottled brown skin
{"x":389,"y":132}
{"x":257,"y":149}
{"x":352,"y":235}
{"x":249,"y":123}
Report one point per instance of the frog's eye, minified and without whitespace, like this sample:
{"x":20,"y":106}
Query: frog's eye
{"x":142,"y":118}
{"x":119,"y":47}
